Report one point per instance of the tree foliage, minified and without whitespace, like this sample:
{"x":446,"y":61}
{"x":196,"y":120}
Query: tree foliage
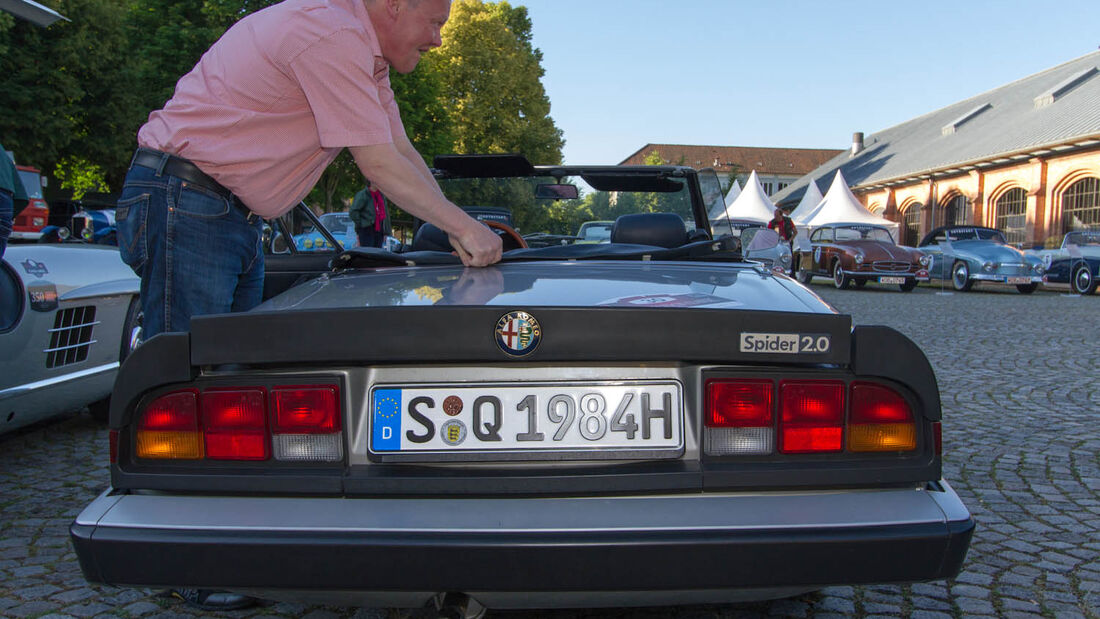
{"x":491,"y":76}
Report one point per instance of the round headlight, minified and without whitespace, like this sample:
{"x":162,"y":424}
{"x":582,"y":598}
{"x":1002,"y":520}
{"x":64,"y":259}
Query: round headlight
{"x":925,"y":260}
{"x":1039,"y":268}
{"x":859,"y":258}
{"x":989,"y":266}
{"x":87,"y":233}
{"x":308,"y":243}
{"x":785,"y":259}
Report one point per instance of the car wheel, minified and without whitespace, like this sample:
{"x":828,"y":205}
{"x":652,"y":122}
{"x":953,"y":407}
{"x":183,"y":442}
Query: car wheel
{"x":840,"y":280}
{"x":960,"y":277}
{"x":1026,"y":288}
{"x":804,"y":276}
{"x":1082,"y":281}
{"x":908,"y":286}
{"x":131,"y":339}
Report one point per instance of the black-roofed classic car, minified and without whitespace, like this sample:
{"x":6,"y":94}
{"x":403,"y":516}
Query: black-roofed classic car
{"x":861,"y":253}
{"x":645,"y":421}
{"x":1075,"y":262}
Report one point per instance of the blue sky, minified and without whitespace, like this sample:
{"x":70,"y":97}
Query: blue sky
{"x":798,"y":74}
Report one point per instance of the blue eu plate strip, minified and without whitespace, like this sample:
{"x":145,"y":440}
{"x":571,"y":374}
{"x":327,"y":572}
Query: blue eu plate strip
{"x":386,"y":420}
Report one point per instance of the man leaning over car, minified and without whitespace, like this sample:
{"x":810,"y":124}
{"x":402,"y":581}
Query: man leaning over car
{"x":250,"y":130}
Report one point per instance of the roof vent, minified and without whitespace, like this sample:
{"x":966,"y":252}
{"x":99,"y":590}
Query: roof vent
{"x":952,"y":126}
{"x":1063,"y":87}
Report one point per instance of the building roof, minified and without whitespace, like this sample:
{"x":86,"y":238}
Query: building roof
{"x":1036,"y":115}
{"x":766,"y":161}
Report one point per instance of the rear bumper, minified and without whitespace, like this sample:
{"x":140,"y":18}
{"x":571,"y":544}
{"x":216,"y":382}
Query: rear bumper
{"x":498,"y":547}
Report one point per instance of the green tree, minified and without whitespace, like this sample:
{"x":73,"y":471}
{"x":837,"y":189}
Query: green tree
{"x":491,"y":76}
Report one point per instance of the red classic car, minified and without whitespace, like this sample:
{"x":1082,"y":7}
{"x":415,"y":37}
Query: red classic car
{"x":862,"y":253}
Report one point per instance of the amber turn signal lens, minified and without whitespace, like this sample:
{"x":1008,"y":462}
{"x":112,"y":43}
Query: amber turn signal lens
{"x":158,"y":445}
{"x":882,"y":437}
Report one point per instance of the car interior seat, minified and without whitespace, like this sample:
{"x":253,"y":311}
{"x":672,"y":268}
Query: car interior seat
{"x":429,"y":237}
{"x":656,"y":229}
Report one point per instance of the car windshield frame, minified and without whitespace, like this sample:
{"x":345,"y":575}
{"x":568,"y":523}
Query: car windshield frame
{"x":863,"y":233}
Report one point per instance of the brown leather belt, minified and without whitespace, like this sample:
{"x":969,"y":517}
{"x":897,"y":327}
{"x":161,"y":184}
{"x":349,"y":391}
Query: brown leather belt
{"x":182,"y":168}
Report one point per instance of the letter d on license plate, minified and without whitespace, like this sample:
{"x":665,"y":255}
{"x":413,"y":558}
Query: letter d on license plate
{"x":785,"y":343}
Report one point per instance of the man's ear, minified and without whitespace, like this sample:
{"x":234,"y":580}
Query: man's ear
{"x":393,"y":7}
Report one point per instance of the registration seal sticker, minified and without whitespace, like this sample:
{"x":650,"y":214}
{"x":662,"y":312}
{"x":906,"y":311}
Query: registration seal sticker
{"x":518,"y":333}
{"x":453,"y":432}
{"x":785,"y":343}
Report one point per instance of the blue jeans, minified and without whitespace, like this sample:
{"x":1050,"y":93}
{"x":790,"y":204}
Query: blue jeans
{"x":195,"y":251}
{"x":7,"y":213}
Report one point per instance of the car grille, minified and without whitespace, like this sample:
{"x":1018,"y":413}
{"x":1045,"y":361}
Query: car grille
{"x":891,"y":265}
{"x":71,"y":336}
{"x":1014,"y":269}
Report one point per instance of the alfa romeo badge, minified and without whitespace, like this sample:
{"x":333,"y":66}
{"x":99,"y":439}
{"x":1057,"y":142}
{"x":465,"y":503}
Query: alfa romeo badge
{"x":518,"y":333}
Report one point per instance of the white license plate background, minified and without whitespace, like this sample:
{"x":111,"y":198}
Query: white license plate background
{"x":408,"y":419}
{"x":891,"y":280}
{"x":1018,"y":280}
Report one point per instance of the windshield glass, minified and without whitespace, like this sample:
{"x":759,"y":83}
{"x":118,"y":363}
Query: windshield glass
{"x":602,"y":198}
{"x":864,"y":233}
{"x":337,"y":222}
{"x":1083,"y":238}
{"x":32,"y":182}
{"x":976,"y":234}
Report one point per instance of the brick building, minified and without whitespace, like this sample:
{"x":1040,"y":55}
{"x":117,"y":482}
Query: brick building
{"x":1023,"y":158}
{"x":776,"y":167}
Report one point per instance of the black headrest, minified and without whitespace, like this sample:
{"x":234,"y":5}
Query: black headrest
{"x":656,"y":229}
{"x":431,"y":238}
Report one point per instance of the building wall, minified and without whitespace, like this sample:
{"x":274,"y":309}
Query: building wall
{"x":1044,"y":179}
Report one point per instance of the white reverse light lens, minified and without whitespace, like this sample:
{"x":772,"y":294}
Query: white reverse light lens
{"x":308,"y":447}
{"x":739,"y":441}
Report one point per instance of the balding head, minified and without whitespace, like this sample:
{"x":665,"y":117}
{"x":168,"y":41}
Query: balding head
{"x":407,"y":29}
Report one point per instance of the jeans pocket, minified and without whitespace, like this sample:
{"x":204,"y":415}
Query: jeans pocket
{"x":196,"y":201}
{"x":130,"y":218}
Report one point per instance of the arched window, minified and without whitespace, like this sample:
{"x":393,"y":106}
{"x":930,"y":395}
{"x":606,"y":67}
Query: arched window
{"x":1081,"y":205}
{"x":1011,"y":215}
{"x":910,"y":233}
{"x":955,"y":212}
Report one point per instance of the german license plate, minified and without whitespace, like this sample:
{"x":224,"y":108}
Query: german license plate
{"x":1017,"y":280}
{"x":606,"y":417}
{"x":891,"y":280}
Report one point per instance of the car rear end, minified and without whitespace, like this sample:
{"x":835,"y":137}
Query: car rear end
{"x":28,"y":224}
{"x":533,"y":456}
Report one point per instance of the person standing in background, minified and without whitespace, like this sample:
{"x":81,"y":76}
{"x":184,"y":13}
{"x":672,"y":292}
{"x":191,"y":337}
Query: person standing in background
{"x":13,"y":197}
{"x":368,"y":213}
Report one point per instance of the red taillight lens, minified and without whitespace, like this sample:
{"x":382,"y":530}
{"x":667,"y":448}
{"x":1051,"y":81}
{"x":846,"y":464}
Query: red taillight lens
{"x":811,"y":416}
{"x":881,"y":420}
{"x":305,"y":410}
{"x":234,"y":424}
{"x":169,"y":428}
{"x":740,"y":403}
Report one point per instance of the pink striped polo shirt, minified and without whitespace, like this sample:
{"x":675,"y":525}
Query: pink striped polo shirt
{"x":271,"y":104}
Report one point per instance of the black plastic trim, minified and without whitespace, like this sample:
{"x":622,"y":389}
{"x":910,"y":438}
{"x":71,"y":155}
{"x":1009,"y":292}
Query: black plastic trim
{"x":549,"y":561}
{"x":886,"y":353}
{"x":165,"y":358}
{"x":465,"y":334}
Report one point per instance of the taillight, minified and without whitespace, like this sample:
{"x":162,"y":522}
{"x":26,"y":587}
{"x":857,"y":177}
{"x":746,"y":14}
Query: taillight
{"x":234,"y":423}
{"x":740,"y":417}
{"x":881,"y":420}
{"x":169,"y":428}
{"x":306,"y":424}
{"x":290,"y":423}
{"x":811,"y":416}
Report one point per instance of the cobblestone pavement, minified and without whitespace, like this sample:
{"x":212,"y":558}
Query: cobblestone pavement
{"x":1021,"y":396}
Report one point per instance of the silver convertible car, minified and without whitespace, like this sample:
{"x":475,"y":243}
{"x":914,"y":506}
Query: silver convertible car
{"x":645,"y":421}
{"x":966,"y":255}
{"x":68,"y":316}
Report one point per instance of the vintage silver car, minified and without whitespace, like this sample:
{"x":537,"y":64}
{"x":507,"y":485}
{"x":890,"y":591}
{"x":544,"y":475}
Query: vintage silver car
{"x":766,"y":250}
{"x":646,"y":421}
{"x":970,"y":254}
{"x":1075,"y":262}
{"x":68,"y":316}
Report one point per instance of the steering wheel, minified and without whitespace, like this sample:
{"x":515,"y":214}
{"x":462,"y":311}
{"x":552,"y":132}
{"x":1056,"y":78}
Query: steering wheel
{"x":510,"y":239}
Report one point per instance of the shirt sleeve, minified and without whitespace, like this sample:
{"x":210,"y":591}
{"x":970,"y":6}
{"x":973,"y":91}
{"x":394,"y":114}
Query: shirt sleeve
{"x":351,"y":106}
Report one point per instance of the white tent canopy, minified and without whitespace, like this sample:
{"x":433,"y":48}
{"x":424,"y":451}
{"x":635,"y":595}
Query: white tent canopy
{"x":751,"y":203}
{"x":731,"y":195}
{"x":840,"y":206}
{"x":809,"y":202}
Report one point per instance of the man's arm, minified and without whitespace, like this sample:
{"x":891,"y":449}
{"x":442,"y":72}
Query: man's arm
{"x":409,"y":184}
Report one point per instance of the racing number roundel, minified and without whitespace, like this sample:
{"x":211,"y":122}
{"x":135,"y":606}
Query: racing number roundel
{"x":518,"y":333}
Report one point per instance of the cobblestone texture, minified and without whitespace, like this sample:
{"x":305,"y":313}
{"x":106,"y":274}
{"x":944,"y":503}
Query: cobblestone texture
{"x":1021,"y":398}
